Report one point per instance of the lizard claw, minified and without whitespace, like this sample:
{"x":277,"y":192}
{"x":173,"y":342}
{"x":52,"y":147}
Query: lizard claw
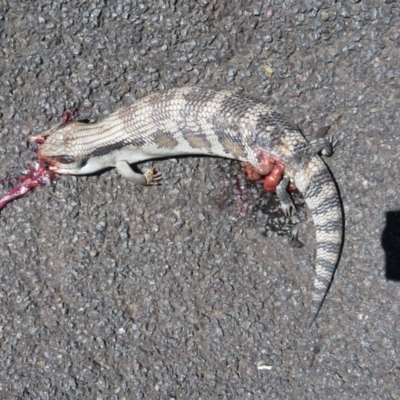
{"x":288,"y":209}
{"x":153,"y":177}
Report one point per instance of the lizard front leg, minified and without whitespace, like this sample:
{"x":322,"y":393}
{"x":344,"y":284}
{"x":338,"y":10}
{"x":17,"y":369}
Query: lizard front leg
{"x":151,"y":177}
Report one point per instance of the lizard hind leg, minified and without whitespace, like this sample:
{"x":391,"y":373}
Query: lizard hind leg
{"x":284,"y":197}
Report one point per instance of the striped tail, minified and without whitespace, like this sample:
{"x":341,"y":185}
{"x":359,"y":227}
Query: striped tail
{"x":322,"y":198}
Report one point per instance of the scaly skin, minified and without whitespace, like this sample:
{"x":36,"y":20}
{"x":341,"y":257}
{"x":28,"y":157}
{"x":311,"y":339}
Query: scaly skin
{"x":195,"y":121}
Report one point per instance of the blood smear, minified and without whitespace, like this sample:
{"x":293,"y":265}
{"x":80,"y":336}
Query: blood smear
{"x":38,"y":175}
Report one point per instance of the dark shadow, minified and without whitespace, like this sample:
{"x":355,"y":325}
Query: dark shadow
{"x":391,"y":245}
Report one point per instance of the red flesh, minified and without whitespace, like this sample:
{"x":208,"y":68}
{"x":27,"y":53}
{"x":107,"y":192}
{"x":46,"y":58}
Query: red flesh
{"x":272,"y":180}
{"x":37,"y":175}
{"x":270,"y":174}
{"x":69,"y":115}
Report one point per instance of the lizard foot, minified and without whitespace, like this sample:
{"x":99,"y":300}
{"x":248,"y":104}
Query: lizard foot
{"x":153,"y":177}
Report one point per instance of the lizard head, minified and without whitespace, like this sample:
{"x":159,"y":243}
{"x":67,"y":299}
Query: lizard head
{"x":59,"y":147}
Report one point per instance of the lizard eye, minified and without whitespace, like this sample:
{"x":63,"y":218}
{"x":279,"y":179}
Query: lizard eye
{"x":64,"y":159}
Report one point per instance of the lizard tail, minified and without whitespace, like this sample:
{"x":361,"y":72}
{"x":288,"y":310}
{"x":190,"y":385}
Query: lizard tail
{"x":322,"y":199}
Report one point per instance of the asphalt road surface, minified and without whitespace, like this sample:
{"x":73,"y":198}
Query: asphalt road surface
{"x":199,"y":289}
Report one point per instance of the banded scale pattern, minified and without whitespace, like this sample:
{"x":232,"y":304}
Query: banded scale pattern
{"x":199,"y":121}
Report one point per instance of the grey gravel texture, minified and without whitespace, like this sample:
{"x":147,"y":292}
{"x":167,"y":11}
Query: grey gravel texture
{"x":194,"y":289}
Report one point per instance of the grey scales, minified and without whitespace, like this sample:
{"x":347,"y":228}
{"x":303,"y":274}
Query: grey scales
{"x":199,"y":121}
